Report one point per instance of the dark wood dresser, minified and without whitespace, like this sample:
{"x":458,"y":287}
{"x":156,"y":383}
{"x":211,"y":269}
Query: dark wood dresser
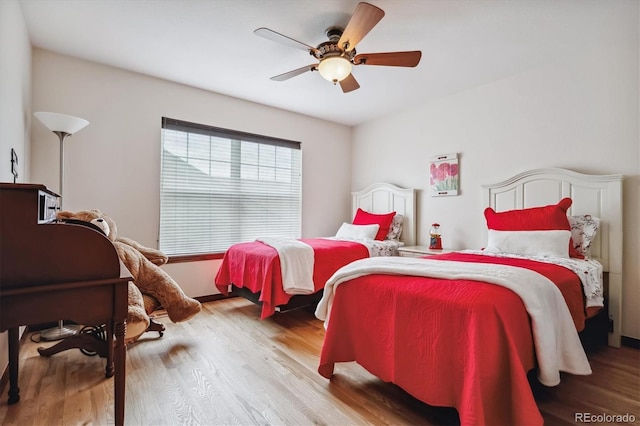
{"x":53,"y":271}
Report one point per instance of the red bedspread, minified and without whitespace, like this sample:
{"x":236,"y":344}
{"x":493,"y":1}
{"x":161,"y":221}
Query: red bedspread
{"x":256,"y":266}
{"x":463,"y":344}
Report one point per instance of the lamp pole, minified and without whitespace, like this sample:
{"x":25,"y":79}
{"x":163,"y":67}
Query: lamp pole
{"x":62,"y":135}
{"x":63,"y":126}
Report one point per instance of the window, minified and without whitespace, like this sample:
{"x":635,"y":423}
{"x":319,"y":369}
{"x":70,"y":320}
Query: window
{"x":220,"y":187}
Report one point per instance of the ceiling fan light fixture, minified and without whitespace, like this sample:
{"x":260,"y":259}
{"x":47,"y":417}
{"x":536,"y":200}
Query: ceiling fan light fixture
{"x":334,"y":68}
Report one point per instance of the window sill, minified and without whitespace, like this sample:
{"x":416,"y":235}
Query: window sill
{"x":195,"y":257}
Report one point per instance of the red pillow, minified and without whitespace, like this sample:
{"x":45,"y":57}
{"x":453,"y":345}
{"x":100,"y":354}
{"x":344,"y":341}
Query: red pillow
{"x":551,"y":217}
{"x":384,"y":220}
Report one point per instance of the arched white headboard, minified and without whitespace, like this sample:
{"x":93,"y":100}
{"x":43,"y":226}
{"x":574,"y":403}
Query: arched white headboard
{"x":385,"y":198}
{"x":597,"y":195}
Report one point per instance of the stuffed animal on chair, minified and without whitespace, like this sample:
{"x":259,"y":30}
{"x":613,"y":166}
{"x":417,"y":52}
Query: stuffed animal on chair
{"x":150,"y":280}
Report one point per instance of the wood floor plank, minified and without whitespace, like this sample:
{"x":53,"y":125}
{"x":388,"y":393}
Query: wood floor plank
{"x":227,"y":367}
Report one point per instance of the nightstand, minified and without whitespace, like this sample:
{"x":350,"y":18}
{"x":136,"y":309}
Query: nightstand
{"x":420,"y":251}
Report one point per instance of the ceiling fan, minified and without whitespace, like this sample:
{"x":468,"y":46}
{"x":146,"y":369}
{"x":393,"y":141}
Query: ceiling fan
{"x":338,"y":55}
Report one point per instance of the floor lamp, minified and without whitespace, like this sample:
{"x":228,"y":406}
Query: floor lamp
{"x":63,"y":126}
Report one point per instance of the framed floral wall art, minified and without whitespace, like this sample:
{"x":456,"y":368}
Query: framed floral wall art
{"x":444,"y":177}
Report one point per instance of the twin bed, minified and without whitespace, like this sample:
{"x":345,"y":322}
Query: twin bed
{"x":253,"y":269}
{"x":464,"y":329}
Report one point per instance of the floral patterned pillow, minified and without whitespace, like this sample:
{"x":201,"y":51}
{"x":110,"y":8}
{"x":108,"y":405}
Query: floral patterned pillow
{"x":396,"y":228}
{"x":583,"y":231}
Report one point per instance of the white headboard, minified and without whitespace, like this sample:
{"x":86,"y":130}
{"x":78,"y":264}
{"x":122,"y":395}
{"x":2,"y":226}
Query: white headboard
{"x":385,"y":198}
{"x":597,"y":195}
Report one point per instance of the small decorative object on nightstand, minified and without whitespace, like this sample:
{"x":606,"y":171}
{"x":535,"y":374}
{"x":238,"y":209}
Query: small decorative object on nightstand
{"x":435,"y":238}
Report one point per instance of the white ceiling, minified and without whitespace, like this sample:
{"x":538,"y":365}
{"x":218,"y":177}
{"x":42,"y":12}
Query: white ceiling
{"x":210,"y":44}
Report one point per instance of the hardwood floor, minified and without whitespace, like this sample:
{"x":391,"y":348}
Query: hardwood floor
{"x":226,"y":366}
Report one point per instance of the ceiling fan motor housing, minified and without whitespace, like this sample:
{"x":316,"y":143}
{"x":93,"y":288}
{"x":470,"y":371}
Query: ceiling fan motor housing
{"x":331,"y":48}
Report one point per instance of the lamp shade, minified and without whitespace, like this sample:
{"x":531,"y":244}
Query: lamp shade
{"x":61,"y":122}
{"x":334,"y":68}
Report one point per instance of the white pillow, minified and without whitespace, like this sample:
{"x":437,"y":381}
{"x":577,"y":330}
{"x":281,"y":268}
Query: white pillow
{"x":553,"y":243}
{"x":349,"y":231}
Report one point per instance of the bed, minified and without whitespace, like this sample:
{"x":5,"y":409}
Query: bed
{"x":254,"y":269}
{"x":464,"y":329}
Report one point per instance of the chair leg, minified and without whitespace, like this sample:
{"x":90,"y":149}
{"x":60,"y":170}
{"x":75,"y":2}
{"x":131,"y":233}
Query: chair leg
{"x":156,"y":326}
{"x":90,"y":341}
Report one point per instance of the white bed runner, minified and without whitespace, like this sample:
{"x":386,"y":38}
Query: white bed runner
{"x":296,"y":264}
{"x":556,"y":341}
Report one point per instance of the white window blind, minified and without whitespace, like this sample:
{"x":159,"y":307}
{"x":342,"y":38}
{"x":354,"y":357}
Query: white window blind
{"x":220,"y":187}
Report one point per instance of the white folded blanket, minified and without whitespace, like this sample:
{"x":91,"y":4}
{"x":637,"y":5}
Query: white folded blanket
{"x":296,"y":264}
{"x":556,"y":340}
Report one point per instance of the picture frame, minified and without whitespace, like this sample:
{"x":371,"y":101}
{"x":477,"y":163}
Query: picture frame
{"x":444,"y":175}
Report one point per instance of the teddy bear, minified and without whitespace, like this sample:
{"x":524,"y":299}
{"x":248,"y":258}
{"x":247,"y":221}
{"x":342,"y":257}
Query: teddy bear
{"x":144,"y":265}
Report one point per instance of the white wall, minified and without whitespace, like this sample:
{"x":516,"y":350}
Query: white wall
{"x":580,"y":113}
{"x":15,"y":105}
{"x":15,"y":90}
{"x":114,"y":163}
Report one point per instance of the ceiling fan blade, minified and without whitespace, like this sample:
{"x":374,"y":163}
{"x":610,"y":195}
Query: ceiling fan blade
{"x":349,"y":84}
{"x":288,"y":75}
{"x":392,"y":59}
{"x":281,"y":38}
{"x":364,"y":18}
